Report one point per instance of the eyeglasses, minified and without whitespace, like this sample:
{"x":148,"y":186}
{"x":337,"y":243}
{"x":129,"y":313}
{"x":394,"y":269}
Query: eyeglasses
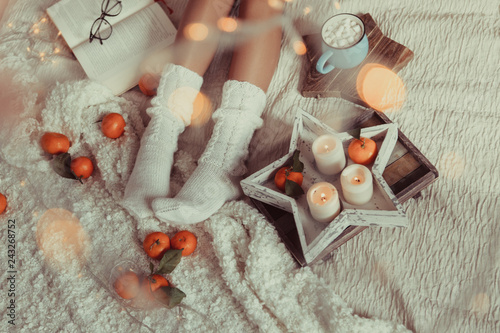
{"x":101,"y":29}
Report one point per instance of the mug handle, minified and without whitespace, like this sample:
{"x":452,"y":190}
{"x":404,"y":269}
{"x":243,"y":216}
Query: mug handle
{"x":320,"y":65}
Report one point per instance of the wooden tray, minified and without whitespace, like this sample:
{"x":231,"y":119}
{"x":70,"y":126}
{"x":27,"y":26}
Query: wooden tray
{"x":407,"y":173}
{"x":342,"y":82}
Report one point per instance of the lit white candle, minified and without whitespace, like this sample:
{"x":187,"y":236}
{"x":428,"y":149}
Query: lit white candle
{"x":323,"y":201}
{"x":329,"y":154}
{"x":357,"y":184}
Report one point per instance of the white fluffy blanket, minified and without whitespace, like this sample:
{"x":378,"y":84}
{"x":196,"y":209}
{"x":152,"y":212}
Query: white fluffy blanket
{"x":440,"y":274}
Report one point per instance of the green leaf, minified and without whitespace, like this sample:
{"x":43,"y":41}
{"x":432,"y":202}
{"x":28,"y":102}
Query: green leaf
{"x":170,"y":260}
{"x":355,"y":133}
{"x":61,"y":164}
{"x":151,"y":267}
{"x":297,"y":166}
{"x":169,"y":296}
{"x":293,"y":189}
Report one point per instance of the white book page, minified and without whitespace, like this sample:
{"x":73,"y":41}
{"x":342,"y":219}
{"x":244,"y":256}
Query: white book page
{"x":74,"y":18}
{"x":117,"y":62}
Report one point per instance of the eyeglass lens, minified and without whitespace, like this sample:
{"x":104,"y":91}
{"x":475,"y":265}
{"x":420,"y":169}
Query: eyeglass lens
{"x":101,"y":29}
{"x":111,"y":7}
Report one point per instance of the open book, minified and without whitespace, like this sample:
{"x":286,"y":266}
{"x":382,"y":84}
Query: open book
{"x":141,"y":28}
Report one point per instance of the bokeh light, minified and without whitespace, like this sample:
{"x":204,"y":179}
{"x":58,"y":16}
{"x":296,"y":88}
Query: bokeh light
{"x":337,"y":5}
{"x":227,"y":24}
{"x":177,"y":102}
{"x":11,"y":100}
{"x":380,"y":88}
{"x":62,"y":239}
{"x":382,"y":270}
{"x":307,"y":10}
{"x":276,"y":4}
{"x":148,"y":83}
{"x":451,"y":165}
{"x":155,"y":61}
{"x":196,"y":31}
{"x":202,"y":110}
{"x":480,"y":304}
{"x":299,"y":47}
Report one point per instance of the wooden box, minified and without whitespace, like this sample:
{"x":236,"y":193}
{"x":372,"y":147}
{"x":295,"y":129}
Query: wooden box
{"x":407,"y":172}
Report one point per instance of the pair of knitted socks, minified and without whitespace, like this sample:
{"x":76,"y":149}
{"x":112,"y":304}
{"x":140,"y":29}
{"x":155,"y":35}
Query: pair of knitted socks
{"x":216,"y":178}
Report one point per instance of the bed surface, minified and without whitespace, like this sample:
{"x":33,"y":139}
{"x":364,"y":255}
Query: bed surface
{"x":438,"y":275}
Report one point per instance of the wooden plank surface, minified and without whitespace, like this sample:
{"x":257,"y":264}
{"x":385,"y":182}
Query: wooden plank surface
{"x":400,"y":168}
{"x":342,"y":82}
{"x":408,"y":172}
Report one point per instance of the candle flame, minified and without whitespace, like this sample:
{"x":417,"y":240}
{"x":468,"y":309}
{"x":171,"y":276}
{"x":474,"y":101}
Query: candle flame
{"x":323,"y":197}
{"x":357,"y":180}
{"x":327,"y":149}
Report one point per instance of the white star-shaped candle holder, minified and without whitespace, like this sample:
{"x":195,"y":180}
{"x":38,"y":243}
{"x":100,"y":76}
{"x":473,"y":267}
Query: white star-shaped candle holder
{"x":383,"y":210}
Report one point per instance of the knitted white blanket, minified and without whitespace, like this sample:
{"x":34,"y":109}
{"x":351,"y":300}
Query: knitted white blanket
{"x":440,"y":274}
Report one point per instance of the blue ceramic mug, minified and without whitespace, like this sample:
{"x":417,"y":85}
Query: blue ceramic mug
{"x":337,"y":51}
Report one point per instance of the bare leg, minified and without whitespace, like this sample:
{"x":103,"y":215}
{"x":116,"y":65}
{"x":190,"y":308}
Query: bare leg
{"x":216,"y":179}
{"x":193,"y":53}
{"x":255,"y":60}
{"x":172,"y":108}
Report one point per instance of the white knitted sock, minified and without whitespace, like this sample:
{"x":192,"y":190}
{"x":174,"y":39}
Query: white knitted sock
{"x":216,"y":179}
{"x":170,"y":113}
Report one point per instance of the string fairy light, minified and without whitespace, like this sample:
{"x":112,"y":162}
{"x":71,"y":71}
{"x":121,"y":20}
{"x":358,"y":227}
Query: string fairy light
{"x":39,"y":31}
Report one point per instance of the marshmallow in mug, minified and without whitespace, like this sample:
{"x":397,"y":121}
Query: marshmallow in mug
{"x":343,"y":34}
